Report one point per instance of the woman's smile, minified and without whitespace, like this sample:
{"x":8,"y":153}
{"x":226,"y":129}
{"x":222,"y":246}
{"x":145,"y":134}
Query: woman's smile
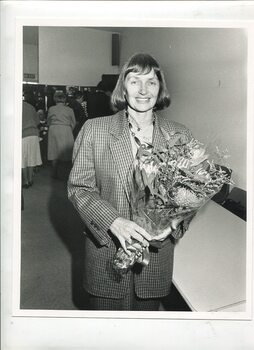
{"x":142,"y":99}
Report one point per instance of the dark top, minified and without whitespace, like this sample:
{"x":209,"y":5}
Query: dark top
{"x":98,"y":105}
{"x":78,"y":110}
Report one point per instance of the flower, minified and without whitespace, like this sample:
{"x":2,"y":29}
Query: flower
{"x":197,"y":156}
{"x":149,"y":168}
{"x":203,"y":176}
{"x":186,"y":198}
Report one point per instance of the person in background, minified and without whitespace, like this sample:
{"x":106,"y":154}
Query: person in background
{"x":98,"y":188}
{"x":61,"y":122}
{"x":31,"y":155}
{"x":84,"y":104}
{"x":98,"y":103}
{"x":79,"y":111}
{"x":40,"y":102}
{"x":43,"y":135}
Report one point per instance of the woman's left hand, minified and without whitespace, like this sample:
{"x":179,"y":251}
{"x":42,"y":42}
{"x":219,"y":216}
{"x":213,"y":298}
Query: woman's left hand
{"x":126,"y":230}
{"x":167,"y":231}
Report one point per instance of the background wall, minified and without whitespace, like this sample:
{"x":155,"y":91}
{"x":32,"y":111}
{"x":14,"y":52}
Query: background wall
{"x":30,"y":65}
{"x":74,"y":56}
{"x":205,"y":71}
{"x":30,"y":54}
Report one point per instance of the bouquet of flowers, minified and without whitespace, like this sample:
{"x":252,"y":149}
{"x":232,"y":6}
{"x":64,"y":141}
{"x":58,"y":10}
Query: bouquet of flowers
{"x":169,"y":183}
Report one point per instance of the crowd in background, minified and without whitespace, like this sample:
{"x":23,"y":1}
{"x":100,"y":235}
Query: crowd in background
{"x":50,"y":126}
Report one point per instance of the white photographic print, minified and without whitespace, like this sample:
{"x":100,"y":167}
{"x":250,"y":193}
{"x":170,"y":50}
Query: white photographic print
{"x":54,"y":271}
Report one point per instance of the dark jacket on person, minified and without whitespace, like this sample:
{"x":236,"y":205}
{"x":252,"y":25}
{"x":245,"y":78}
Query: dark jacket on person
{"x":98,"y":104}
{"x":78,"y":111}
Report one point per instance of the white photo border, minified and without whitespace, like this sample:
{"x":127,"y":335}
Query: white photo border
{"x":17,"y":159}
{"x":90,"y":17}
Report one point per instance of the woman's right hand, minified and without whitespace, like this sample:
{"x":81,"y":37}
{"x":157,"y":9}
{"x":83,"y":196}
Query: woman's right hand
{"x":167,"y":231}
{"x":126,"y":230}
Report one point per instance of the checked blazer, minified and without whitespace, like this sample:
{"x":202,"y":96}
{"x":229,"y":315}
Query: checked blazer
{"x":98,"y":188}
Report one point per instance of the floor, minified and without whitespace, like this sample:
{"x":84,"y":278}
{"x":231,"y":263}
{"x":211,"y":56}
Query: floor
{"x":52,"y":251}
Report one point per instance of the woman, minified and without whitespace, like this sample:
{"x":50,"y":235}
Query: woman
{"x":98,"y":187}
{"x":31,"y":156}
{"x":61,"y":122}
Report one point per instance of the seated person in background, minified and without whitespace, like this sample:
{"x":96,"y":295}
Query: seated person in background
{"x":98,"y":102}
{"x":79,"y":111}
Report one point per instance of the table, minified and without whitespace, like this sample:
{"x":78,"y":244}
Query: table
{"x":210,"y":261}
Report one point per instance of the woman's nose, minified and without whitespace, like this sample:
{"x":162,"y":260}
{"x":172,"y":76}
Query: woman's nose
{"x":142,"y":88}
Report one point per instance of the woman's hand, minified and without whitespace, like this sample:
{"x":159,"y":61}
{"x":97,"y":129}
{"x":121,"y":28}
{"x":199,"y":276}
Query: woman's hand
{"x":126,"y":230}
{"x":166,"y":232}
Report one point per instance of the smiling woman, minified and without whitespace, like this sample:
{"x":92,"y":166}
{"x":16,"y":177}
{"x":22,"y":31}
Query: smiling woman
{"x":142,"y":91}
{"x":98,"y":187}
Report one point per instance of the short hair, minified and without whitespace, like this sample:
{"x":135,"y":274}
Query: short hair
{"x":78,"y":94}
{"x":29,"y":97}
{"x":140,"y":63}
{"x":59,"y":96}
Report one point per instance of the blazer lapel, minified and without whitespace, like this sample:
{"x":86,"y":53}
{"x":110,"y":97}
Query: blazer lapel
{"x":121,"y":150}
{"x":159,"y":140}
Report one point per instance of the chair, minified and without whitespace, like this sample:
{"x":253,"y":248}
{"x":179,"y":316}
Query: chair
{"x":236,"y":202}
{"x":222,"y":195}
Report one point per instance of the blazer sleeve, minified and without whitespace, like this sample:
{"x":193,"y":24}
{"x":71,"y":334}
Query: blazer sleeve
{"x":96,"y":213}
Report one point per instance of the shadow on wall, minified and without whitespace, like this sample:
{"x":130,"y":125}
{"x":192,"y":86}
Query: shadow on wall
{"x":69,"y":228}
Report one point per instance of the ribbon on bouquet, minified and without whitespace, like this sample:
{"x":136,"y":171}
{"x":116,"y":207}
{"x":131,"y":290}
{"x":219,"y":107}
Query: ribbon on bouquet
{"x":138,"y":253}
{"x":141,"y":253}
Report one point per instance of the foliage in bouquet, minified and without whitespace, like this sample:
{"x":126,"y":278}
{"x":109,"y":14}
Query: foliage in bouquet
{"x":169,"y":183}
{"x":179,"y":178}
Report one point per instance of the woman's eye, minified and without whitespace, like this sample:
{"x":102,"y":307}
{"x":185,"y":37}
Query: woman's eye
{"x":133,"y":82}
{"x":152,"y":83}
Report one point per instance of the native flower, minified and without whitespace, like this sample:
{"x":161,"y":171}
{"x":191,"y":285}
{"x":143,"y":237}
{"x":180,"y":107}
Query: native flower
{"x":203,"y":176}
{"x":198,"y":156}
{"x":149,"y":168}
{"x":184,"y":197}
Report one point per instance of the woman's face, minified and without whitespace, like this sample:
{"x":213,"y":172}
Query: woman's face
{"x":142,"y":90}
